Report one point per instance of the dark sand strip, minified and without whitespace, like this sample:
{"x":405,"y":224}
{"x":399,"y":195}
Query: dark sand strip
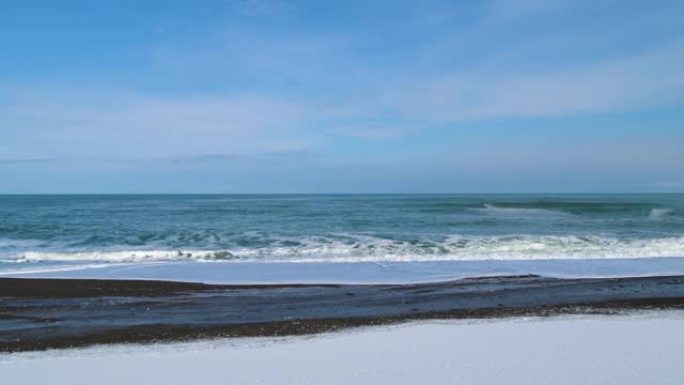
{"x":38,"y":314}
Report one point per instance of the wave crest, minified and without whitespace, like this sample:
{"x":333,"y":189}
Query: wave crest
{"x":519,"y":211}
{"x":369,"y":249}
{"x":660,"y":213}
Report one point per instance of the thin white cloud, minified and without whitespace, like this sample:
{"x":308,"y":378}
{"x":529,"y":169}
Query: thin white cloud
{"x":371,"y":133}
{"x":264,"y":7}
{"x":341,"y":83}
{"x":506,"y":10}
{"x":126,"y":124}
{"x":636,"y":82}
{"x":341,"y":67}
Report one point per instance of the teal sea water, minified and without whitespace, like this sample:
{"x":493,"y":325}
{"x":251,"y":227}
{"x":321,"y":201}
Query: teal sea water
{"x":337,"y":228}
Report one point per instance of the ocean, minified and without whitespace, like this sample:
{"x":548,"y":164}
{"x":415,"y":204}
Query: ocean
{"x":97,"y":269}
{"x":58,"y":233}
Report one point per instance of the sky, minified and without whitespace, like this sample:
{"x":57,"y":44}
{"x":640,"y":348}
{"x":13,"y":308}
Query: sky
{"x":280,"y":96}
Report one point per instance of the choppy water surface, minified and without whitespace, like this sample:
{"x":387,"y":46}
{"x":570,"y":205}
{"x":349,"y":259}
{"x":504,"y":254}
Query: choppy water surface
{"x":338,"y":228}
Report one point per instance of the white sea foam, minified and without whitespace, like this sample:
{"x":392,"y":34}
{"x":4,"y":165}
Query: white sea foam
{"x":518,"y":211}
{"x":374,"y":249}
{"x":52,"y":269}
{"x":660,"y":213}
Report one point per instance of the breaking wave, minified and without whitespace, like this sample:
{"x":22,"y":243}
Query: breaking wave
{"x":519,"y":211}
{"x":369,"y":248}
{"x":660,"y":213}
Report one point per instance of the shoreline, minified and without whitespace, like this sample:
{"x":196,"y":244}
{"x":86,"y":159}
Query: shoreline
{"x":360,"y":273}
{"x":39,"y":314}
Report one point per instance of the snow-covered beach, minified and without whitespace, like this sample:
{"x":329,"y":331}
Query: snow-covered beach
{"x":643,"y":348}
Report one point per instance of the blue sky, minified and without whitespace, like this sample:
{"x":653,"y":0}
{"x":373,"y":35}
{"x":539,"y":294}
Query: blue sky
{"x":356,"y":96}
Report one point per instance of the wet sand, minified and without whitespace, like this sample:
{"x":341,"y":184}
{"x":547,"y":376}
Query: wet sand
{"x":38,"y":314}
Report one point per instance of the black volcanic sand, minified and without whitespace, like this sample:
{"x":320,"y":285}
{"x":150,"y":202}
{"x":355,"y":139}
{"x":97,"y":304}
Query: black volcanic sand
{"x":37,"y":314}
